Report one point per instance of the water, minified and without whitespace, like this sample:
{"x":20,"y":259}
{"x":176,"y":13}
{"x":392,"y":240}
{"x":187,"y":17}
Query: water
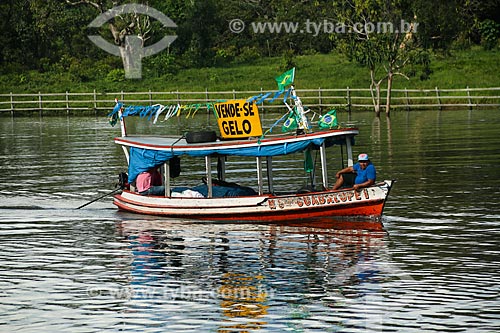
{"x":432,"y":268}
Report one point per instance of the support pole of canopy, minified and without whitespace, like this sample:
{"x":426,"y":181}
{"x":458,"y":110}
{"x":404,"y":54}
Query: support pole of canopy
{"x":124,"y":134}
{"x":208,"y":170}
{"x":259,"y":174}
{"x":349,"y":151}
{"x":123,"y":128}
{"x":342,"y":155}
{"x":166,"y":177}
{"x":269,"y":166}
{"x":324,"y":170}
{"x":221,"y":167}
{"x":127,"y":156}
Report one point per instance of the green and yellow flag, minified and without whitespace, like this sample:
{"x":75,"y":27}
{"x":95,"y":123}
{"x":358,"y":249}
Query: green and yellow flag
{"x":290,"y":123}
{"x":328,"y":120}
{"x":285,"y":79}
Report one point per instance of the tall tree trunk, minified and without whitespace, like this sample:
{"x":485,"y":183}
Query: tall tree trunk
{"x":377,"y":105}
{"x":375,"y":94}
{"x":132,"y":53}
{"x":389,"y":93}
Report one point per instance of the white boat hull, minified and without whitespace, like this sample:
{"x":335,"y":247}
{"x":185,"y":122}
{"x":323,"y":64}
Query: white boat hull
{"x":368,"y":202}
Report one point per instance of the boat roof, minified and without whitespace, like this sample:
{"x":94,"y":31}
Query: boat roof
{"x":147,"y":152}
{"x":180,"y":146}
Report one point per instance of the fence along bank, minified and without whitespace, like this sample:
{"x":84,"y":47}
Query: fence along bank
{"x":350,"y":99}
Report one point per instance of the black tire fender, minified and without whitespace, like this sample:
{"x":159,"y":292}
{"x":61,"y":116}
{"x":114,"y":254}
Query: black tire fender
{"x":201,"y":136}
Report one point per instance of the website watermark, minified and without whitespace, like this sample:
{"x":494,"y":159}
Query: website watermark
{"x":180,"y":293}
{"x":315,"y":28}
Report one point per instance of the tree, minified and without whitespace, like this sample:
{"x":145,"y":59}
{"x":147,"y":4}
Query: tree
{"x":439,"y":23}
{"x":130,"y":27}
{"x":202,"y":30}
{"x":380,"y":35}
{"x":22,"y":39}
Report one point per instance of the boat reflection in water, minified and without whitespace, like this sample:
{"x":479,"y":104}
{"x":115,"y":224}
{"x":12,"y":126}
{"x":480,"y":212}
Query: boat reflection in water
{"x":240,"y":277}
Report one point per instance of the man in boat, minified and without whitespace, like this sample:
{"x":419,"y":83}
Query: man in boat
{"x":364,"y":172}
{"x":149,"y":183}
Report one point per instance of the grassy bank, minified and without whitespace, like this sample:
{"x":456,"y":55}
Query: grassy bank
{"x":473,"y":68}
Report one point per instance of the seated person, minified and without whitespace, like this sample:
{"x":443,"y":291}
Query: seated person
{"x":149,"y":183}
{"x":365,"y":173}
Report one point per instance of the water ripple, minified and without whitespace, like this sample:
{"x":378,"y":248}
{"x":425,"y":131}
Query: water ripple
{"x":433,"y":267}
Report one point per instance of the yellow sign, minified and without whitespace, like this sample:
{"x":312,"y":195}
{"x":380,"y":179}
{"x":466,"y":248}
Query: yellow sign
{"x":238,"y":119}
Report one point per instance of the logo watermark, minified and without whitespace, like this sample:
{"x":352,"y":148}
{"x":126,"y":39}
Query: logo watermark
{"x":133,"y":50}
{"x":361,"y":288}
{"x":323,"y":27}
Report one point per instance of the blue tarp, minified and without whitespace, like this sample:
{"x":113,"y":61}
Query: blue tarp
{"x":144,"y":159}
{"x":220,"y":191}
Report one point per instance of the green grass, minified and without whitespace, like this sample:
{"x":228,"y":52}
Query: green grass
{"x":473,"y":68}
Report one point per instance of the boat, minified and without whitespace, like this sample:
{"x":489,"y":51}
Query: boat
{"x":241,"y":135}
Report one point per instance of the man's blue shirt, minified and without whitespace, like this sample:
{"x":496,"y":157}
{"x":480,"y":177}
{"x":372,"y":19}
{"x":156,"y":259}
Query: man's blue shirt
{"x":363,"y":175}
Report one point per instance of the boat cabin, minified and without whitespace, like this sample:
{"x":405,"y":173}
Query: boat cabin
{"x":144,"y":153}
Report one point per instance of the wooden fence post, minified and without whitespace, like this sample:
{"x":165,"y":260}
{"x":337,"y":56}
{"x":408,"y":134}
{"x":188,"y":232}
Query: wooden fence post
{"x":438,"y":99}
{"x":207,"y":99}
{"x":67,"y":103}
{"x":262,"y":104}
{"x":469,"y":99}
{"x":11,"y":103}
{"x":320,"y":101}
{"x":348,"y":99}
{"x":40,"y":102}
{"x":407,"y":100}
{"x":95,"y":102}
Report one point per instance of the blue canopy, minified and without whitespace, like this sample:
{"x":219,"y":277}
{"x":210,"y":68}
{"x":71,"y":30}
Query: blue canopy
{"x":142,"y":159}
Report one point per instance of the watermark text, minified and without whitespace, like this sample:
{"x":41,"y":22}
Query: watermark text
{"x":322,"y":27}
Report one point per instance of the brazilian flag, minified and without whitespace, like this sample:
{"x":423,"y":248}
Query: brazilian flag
{"x":290,"y":123}
{"x":328,"y":120}
{"x":285,"y":79}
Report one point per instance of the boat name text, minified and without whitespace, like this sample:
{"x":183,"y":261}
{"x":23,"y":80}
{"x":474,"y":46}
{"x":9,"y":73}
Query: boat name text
{"x":319,"y":199}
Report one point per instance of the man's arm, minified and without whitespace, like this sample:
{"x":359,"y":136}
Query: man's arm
{"x":345,"y":170}
{"x":369,"y":182}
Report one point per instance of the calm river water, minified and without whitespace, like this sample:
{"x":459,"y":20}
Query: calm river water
{"x":433,"y":268}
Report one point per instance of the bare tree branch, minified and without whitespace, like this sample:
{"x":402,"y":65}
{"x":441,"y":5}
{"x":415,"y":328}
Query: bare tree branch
{"x":97,"y":5}
{"x":115,"y":33}
{"x":403,"y":75}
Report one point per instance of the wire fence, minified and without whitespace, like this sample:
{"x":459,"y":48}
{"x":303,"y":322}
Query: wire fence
{"x":344,"y":99}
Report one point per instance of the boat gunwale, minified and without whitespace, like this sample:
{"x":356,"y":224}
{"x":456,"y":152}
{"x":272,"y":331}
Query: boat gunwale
{"x":213,"y":200}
